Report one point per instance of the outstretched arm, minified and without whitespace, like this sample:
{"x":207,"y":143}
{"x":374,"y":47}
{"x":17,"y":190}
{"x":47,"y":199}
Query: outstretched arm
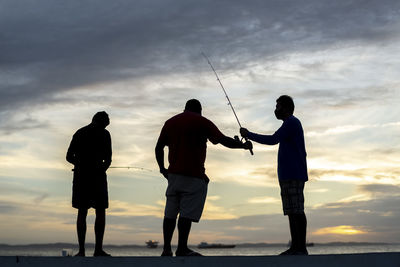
{"x":262,"y":139}
{"x":234,"y":143}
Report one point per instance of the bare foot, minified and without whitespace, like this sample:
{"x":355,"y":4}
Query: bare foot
{"x":101,"y":253}
{"x":80,"y":254}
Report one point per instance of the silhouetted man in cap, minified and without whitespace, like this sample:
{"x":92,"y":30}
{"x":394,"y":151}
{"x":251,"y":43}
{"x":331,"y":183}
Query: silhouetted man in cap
{"x":90,"y":152}
{"x":292,"y":170}
{"x":186,"y":135}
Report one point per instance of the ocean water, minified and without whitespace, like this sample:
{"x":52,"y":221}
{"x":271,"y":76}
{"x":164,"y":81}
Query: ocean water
{"x":239,"y":250}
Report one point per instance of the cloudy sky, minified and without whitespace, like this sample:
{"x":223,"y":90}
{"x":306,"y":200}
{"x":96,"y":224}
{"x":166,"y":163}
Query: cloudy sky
{"x":62,"y":61}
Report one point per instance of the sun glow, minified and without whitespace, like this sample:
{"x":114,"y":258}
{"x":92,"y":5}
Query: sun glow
{"x":339,"y":230}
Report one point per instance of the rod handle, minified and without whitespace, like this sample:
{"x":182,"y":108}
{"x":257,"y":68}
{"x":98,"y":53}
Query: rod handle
{"x":251,"y":150}
{"x":246,"y":139}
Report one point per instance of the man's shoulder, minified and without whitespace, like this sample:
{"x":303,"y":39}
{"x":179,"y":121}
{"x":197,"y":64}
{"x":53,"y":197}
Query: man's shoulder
{"x":204,"y":121}
{"x":292,"y":120}
{"x":293,"y":124}
{"x":175,"y":117}
{"x":82,"y":130}
{"x":90,"y":130}
{"x":187,"y":117}
{"x":107,"y":133}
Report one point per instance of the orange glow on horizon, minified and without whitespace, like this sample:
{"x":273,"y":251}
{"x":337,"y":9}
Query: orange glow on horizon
{"x":339,"y":230}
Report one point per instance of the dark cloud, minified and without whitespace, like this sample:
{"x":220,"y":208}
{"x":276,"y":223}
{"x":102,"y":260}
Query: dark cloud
{"x":381,"y":189}
{"x":49,"y":47}
{"x":377,"y":217}
{"x":10,"y":124}
{"x":6,"y":208}
{"x":12,"y":188}
{"x":377,"y":214}
{"x":269,"y":173}
{"x":39,"y":199}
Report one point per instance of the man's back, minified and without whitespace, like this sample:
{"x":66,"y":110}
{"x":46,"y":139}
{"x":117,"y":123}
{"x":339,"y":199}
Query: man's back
{"x":90,"y":147}
{"x":186,"y":135}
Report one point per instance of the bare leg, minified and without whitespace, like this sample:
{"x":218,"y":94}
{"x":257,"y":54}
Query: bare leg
{"x":81,"y":230}
{"x":168,"y":231}
{"x":184,"y":226}
{"x":99,"y":227}
{"x":301,"y":223}
{"x":298,"y":227}
{"x":293,"y":231}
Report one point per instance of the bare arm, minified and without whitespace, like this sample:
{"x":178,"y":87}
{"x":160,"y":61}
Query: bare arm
{"x":160,"y":158}
{"x":107,"y":160}
{"x":234,"y":143}
{"x":71,"y":152}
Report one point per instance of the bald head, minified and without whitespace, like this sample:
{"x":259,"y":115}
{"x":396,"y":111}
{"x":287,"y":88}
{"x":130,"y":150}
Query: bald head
{"x":193,"y":105}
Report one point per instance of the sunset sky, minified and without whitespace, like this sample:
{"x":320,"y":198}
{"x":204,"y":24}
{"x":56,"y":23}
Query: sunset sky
{"x":140,"y":61}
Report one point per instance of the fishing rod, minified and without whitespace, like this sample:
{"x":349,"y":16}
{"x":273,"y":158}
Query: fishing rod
{"x":130,"y":167}
{"x":226,"y":95}
{"x":127,"y":167}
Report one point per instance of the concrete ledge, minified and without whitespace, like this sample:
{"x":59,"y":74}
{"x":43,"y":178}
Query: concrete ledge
{"x":343,"y":260}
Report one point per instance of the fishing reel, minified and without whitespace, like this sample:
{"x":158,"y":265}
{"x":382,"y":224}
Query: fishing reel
{"x":246,"y":140}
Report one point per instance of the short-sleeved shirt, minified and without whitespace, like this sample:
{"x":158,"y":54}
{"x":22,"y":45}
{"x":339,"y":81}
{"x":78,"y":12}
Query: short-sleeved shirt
{"x":90,"y":148}
{"x":292,"y":164}
{"x":90,"y":151}
{"x":186,"y":136}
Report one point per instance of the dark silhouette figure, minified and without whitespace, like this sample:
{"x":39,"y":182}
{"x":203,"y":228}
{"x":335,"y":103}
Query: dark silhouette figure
{"x":292,"y":170}
{"x":90,"y":152}
{"x":186,"y":135}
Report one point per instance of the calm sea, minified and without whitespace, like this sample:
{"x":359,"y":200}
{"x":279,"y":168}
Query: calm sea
{"x":239,"y":250}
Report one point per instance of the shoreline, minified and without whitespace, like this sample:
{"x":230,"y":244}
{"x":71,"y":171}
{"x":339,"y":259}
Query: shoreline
{"x":387,"y":259}
{"x":260,"y":244}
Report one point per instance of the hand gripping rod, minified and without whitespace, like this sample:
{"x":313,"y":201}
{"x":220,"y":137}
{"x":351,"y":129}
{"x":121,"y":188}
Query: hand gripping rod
{"x":226,"y":95}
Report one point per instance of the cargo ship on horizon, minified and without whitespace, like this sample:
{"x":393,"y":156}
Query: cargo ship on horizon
{"x":215,"y":245}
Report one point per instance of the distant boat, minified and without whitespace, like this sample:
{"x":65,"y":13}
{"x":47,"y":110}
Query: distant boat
{"x":152,"y":243}
{"x":215,"y":245}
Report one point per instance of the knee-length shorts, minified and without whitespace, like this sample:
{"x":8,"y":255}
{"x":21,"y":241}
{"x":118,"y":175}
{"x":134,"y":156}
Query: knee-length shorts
{"x":292,"y":196}
{"x":89,"y":189}
{"x":186,"y":196}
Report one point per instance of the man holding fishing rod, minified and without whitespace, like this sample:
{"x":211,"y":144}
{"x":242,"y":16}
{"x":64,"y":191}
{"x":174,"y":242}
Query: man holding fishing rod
{"x":292,"y":170}
{"x":90,"y":151}
{"x":186,"y":135}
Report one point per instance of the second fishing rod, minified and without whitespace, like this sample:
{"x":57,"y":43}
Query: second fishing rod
{"x":226,"y":95}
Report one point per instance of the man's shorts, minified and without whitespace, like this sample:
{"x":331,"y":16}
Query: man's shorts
{"x":186,"y":195}
{"x":89,"y":189}
{"x":292,"y":196}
